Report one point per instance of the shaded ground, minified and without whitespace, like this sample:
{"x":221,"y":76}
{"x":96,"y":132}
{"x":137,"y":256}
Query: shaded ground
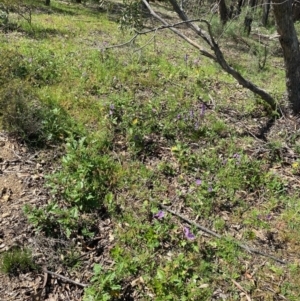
{"x":21,"y":182}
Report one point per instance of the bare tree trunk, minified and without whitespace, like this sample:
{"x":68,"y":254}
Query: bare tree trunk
{"x":290,"y":46}
{"x":253,"y":3}
{"x":296,"y":11}
{"x":239,"y":6}
{"x":223,"y":11}
{"x":266,"y":11}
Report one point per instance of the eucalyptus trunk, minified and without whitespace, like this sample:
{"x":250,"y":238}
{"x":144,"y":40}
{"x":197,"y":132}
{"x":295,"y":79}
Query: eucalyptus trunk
{"x":223,"y":11}
{"x":290,"y":45}
{"x":266,"y":11}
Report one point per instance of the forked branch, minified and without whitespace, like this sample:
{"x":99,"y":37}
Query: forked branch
{"x":217,"y":55}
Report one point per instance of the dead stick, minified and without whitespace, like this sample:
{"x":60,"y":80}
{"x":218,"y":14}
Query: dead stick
{"x":64,"y":278}
{"x":241,"y":288}
{"x":212,"y":233}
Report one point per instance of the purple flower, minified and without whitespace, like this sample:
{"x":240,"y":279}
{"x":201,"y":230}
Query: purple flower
{"x":178,"y":116}
{"x":268,"y":216}
{"x":188,"y":234}
{"x":210,"y":189}
{"x":202,"y":109}
{"x":159,"y":215}
{"x":111,"y":109}
{"x":198,"y":182}
{"x":237,"y":156}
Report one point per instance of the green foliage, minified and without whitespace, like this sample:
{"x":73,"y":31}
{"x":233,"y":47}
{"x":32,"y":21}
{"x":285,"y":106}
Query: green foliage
{"x":23,"y":8}
{"x":16,"y":261}
{"x":106,"y":285}
{"x":21,"y":110}
{"x":38,"y":68}
{"x":132,"y":16}
{"x":157,"y":126}
{"x":36,"y":122}
{"x":53,"y":220}
{"x":24,"y":112}
{"x":86,"y":176}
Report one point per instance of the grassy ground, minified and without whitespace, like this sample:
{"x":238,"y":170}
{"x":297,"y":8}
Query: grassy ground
{"x":149,"y":127}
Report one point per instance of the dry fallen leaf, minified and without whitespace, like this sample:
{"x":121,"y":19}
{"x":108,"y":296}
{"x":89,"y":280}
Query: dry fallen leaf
{"x":137,"y":281}
{"x":5,"y":198}
{"x":204,"y":285}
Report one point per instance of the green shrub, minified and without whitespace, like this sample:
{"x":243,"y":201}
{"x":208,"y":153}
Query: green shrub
{"x":86,"y":175}
{"x":16,"y":261}
{"x":27,"y":116}
{"x":21,"y":110}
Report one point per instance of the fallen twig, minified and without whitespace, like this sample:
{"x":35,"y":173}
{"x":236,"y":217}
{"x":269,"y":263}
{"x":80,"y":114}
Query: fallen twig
{"x":212,"y":233}
{"x":241,"y":288}
{"x":64,"y":278}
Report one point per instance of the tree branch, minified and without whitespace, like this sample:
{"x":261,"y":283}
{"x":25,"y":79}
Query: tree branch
{"x":218,"y":55}
{"x":212,"y":233}
{"x":191,"y":42}
{"x":64,"y":278}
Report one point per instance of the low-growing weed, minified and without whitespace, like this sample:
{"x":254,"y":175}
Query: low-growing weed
{"x":86,"y":175}
{"x":53,"y":220}
{"x":16,"y":261}
{"x":106,"y":284}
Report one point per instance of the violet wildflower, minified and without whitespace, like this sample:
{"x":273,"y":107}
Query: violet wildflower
{"x":210,"y":189}
{"x":203,"y":107}
{"x":198,"y":182}
{"x":178,"y":116}
{"x":268,"y":217}
{"x":237,"y":157}
{"x":111,"y":109}
{"x":188,"y":234}
{"x":159,"y":215}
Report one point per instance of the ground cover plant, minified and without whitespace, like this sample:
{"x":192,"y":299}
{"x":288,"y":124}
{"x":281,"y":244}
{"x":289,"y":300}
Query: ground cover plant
{"x":169,"y":181}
